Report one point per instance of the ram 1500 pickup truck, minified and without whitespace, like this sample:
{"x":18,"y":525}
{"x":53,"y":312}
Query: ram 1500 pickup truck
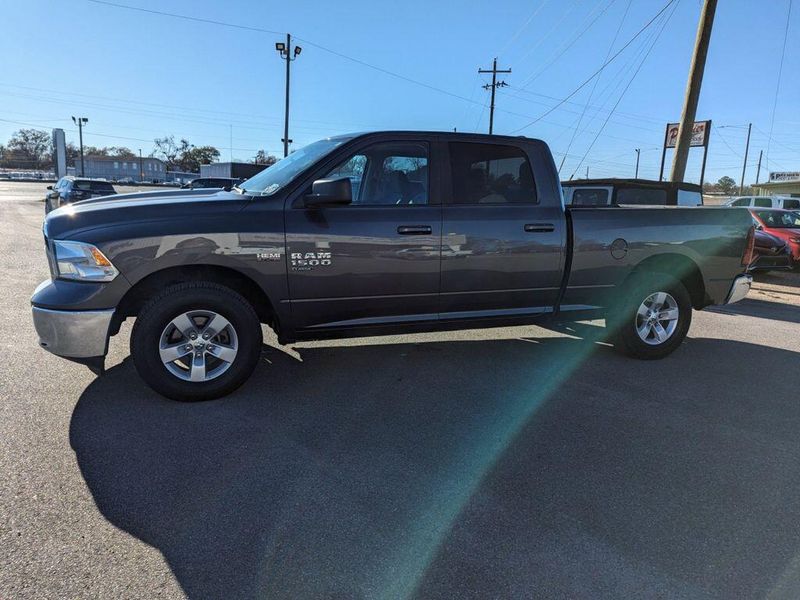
{"x":373,"y":234}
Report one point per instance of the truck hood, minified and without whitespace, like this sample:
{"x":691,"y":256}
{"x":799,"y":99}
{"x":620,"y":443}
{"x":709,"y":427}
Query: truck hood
{"x":126,"y":210}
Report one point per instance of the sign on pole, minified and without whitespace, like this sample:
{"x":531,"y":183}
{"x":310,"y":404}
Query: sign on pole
{"x":699,"y":134}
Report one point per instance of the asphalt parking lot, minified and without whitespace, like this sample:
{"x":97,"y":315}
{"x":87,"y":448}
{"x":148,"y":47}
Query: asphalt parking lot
{"x":503,"y":463}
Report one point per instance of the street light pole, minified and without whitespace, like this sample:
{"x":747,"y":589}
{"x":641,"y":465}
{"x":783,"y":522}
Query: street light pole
{"x":141,"y":167}
{"x":288,"y":54}
{"x":744,"y":166}
{"x":638,"y":150}
{"x":80,"y":122}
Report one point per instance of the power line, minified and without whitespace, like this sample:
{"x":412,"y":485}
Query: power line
{"x":778,"y":84}
{"x":527,"y":22}
{"x":622,"y":95}
{"x":550,"y":63}
{"x":596,"y":81}
{"x":187,"y":17}
{"x":598,"y":71}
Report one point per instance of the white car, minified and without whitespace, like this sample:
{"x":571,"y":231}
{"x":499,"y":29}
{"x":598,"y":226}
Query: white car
{"x":765,"y":202}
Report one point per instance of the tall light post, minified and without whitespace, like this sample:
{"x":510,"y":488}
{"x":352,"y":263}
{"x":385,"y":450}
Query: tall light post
{"x":288,"y":54}
{"x":80,"y":122}
{"x":638,"y":151}
{"x":141,"y":167}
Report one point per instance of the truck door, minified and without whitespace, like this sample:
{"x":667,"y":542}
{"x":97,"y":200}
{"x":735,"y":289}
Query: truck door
{"x":375,"y":261}
{"x":503,"y":235}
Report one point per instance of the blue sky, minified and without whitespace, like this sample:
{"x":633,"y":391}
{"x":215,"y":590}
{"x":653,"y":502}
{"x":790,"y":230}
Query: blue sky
{"x":137,"y":76}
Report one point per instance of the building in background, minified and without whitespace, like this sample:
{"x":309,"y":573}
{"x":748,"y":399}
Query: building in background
{"x":781,"y":183}
{"x":236,"y":170}
{"x":151,"y":170}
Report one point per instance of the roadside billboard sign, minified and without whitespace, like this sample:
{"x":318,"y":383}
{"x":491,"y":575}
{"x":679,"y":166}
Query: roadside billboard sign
{"x":699,"y":134}
{"x":784,"y":176}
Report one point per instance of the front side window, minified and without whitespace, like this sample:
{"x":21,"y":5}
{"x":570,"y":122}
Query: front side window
{"x":491,"y":174}
{"x":741,"y":202}
{"x":387,"y":174}
{"x":763,"y":202}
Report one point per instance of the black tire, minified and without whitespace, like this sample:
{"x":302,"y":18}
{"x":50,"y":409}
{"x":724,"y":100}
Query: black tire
{"x":178,"y":299}
{"x":623,"y":322}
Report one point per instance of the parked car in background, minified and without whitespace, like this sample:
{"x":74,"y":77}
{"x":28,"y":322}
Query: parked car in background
{"x":783,"y":224}
{"x":771,"y":253}
{"x":71,"y":189}
{"x":225,"y":183}
{"x":765,"y":202}
{"x":630,"y":192}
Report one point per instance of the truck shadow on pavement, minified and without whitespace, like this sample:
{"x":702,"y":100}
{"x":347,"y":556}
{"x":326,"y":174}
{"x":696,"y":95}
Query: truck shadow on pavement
{"x":504,"y":468}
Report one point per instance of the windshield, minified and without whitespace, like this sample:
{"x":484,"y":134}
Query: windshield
{"x":273,"y":178}
{"x":779,"y":219}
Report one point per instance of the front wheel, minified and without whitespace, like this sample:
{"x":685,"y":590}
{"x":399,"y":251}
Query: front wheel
{"x":196,"y":341}
{"x":653,"y":319}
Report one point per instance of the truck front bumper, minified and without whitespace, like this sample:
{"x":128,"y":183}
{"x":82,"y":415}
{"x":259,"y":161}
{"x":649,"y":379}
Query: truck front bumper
{"x":741,"y":285}
{"x":74,"y":334}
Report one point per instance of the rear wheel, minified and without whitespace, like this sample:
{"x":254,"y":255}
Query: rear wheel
{"x":653,"y":319}
{"x":196,"y":341}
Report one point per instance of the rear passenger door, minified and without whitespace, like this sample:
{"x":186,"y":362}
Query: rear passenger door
{"x":503,"y":235}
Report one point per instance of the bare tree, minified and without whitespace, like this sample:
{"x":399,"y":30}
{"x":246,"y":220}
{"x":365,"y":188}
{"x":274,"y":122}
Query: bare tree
{"x":31,"y":145}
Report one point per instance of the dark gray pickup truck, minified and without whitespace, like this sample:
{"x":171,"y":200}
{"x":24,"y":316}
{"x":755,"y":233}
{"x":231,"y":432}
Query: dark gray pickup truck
{"x":373,"y":234}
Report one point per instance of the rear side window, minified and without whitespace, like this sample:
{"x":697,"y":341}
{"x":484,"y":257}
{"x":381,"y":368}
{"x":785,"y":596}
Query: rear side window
{"x":491,"y":174}
{"x":791,"y":204}
{"x":641,"y":196}
{"x":102,"y":186}
{"x":763,"y":202}
{"x":590,"y":197}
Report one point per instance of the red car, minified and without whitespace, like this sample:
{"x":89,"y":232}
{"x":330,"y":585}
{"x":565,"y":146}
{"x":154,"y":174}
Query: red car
{"x":784,"y":224}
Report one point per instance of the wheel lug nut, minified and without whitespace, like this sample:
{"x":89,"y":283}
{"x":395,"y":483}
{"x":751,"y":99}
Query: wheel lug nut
{"x":205,"y":336}
{"x":193,"y":335}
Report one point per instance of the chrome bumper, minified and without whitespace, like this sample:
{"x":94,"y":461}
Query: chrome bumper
{"x":73,"y":333}
{"x":739,"y":289}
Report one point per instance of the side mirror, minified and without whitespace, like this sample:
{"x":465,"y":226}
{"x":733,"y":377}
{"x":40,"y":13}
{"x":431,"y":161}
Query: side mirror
{"x":49,"y":187}
{"x":330,"y":192}
{"x":759,"y":226}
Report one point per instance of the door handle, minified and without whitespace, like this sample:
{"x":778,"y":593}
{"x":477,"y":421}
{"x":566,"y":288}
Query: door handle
{"x":414,"y":230}
{"x":539,"y":227}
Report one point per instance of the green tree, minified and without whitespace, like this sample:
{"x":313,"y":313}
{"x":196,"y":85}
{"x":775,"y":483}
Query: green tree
{"x":192,"y":157}
{"x":726,"y":185}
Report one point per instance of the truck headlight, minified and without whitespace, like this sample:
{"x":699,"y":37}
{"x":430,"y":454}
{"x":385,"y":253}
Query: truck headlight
{"x":82,"y":262}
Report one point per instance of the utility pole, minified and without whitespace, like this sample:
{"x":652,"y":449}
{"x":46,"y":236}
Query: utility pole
{"x":638,"y":150}
{"x":141,"y":167}
{"x":288,"y":54}
{"x":587,"y":171}
{"x":744,"y":166}
{"x":493,"y":86}
{"x":693,"y":90}
{"x":758,"y":170}
{"x":80,"y":122}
